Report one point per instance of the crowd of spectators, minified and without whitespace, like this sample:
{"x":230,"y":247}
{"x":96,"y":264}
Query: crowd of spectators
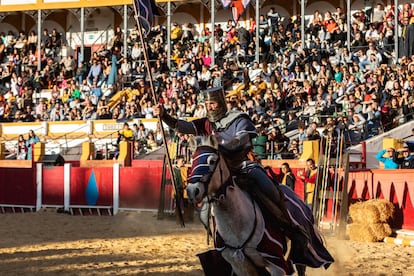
{"x":362,"y":87}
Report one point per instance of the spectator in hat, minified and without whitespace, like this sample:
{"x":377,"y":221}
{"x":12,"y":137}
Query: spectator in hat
{"x":404,"y":158}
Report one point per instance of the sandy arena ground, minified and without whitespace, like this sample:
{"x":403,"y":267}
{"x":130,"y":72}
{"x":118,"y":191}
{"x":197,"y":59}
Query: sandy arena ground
{"x":50,"y":243}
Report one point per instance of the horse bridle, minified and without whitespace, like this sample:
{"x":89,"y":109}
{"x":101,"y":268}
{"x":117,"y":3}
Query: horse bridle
{"x":205,"y":180}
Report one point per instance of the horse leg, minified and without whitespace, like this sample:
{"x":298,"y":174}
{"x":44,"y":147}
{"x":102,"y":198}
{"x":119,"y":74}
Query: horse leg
{"x":275,"y":270}
{"x":301,"y":269}
{"x":240,"y":264}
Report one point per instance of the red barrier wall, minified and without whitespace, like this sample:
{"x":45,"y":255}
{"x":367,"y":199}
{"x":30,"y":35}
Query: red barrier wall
{"x":91,"y":186}
{"x":18,"y":186}
{"x":52,"y":186}
{"x":140,"y":185}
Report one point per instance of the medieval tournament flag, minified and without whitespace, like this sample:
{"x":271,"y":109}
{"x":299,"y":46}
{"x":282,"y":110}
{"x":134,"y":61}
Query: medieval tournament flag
{"x":226,"y":3}
{"x":237,"y":7}
{"x":145,"y":11}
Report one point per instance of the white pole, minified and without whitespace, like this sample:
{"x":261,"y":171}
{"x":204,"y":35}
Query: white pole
{"x":39,"y":39}
{"x":201,"y":26}
{"x":115,"y":188}
{"x":168,"y":34}
{"x":82,"y":26}
{"x":39,"y":182}
{"x":257,"y":56}
{"x":66,"y":186}
{"x":302,"y":22}
{"x":348,"y":24}
{"x":396,"y":31}
{"x":125,"y":30}
{"x":213,"y":20}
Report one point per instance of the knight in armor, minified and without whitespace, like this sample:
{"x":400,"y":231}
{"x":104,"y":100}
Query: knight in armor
{"x":234,"y":131}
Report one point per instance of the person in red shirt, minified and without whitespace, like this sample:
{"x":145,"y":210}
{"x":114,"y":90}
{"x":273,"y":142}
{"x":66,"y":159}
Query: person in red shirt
{"x":309,"y":179}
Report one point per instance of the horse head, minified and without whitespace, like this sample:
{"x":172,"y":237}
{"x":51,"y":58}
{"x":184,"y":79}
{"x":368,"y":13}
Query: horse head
{"x":208,"y":170}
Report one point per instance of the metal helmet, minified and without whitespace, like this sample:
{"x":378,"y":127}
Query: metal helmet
{"x":215,"y":94}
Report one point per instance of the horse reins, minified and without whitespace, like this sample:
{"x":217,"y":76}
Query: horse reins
{"x":222,"y":191}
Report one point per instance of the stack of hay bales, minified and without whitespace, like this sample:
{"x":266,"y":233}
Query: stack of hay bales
{"x":370,"y":220}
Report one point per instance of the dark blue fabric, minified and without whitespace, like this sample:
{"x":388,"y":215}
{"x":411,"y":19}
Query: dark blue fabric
{"x":317,"y":255}
{"x":199,"y":165}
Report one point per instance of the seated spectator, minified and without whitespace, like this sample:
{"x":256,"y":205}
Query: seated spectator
{"x":95,"y":73}
{"x":96,"y":93}
{"x":81,"y":72}
{"x":151,"y":142}
{"x":56,"y":113}
{"x":138,"y":150}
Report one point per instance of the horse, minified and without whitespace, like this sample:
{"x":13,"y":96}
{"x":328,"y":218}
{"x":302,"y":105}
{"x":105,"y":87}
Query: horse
{"x":242,"y":236}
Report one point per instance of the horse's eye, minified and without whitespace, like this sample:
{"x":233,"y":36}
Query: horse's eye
{"x":211,"y":160}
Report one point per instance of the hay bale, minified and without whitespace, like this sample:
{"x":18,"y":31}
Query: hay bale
{"x":355,"y":212}
{"x":368,"y":233}
{"x":364,"y":213}
{"x":371,"y":211}
{"x":380,"y":231}
{"x":360,"y":232}
{"x":385,"y":208}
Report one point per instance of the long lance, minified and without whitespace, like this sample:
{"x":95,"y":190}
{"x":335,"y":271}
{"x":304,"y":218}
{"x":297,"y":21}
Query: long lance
{"x":154,"y":99}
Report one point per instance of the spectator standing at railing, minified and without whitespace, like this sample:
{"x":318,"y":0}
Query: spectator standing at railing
{"x":127,"y":132}
{"x":273,"y":18}
{"x":32,"y":41}
{"x":136,"y":53}
{"x":277,"y":143}
{"x":388,"y":159}
{"x":404,"y":158}
{"x":259,"y":144}
{"x":56,"y":41}
{"x":118,"y":38}
{"x":21,"y":148}
{"x":309,"y":177}
{"x":31,"y":140}
{"x":287,"y":177}
{"x":46,"y":42}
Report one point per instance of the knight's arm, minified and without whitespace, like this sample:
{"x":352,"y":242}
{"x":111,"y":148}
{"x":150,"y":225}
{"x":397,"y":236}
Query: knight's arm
{"x":180,"y":125}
